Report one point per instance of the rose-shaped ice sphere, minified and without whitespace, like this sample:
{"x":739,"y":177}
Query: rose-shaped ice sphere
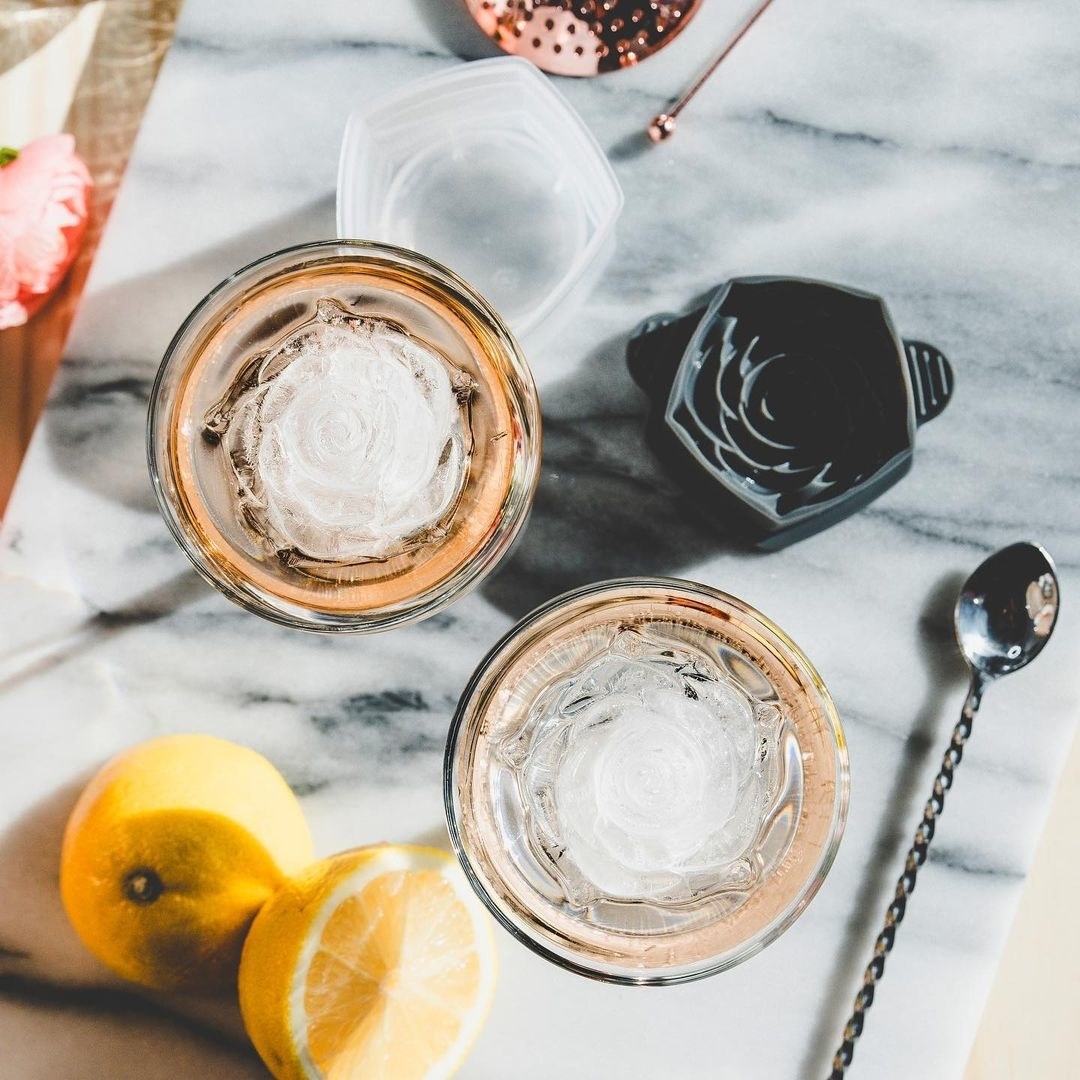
{"x":43,"y":210}
{"x":647,"y":775}
{"x":350,"y":441}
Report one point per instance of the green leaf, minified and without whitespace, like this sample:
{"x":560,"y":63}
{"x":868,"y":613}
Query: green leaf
{"x":7,"y":155}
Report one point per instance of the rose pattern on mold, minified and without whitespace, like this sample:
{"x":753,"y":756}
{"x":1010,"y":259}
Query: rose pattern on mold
{"x":799,"y":427}
{"x":349,"y":441}
{"x":648,"y":776}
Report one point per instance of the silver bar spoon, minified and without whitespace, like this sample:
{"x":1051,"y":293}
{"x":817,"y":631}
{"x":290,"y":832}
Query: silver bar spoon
{"x":1004,"y":616}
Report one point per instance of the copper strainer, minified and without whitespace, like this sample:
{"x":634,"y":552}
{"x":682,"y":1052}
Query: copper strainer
{"x":582,"y":37}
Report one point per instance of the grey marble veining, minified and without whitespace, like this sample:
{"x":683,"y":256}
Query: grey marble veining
{"x":927,"y":152}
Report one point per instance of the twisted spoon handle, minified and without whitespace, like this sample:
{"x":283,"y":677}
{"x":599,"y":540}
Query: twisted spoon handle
{"x":916,"y":856}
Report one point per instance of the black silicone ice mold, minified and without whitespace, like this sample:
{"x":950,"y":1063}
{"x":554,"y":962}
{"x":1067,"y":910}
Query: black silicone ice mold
{"x":785,"y":404}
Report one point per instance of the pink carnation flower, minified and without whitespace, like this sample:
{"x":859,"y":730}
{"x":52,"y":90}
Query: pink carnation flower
{"x":42,"y":219}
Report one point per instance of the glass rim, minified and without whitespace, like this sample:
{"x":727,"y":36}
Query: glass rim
{"x":469,"y":574}
{"x":483,"y":887}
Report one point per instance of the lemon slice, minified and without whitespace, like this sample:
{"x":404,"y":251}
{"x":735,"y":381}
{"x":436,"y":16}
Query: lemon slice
{"x":376,"y":964}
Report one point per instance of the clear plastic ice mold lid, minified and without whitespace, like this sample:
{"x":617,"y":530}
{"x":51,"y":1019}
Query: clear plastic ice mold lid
{"x":488,"y":169}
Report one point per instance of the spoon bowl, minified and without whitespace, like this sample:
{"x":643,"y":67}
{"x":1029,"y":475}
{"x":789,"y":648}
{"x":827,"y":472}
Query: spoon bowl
{"x":1006,"y":610}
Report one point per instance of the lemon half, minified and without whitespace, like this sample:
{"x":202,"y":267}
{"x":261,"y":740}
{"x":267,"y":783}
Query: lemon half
{"x":376,"y":964}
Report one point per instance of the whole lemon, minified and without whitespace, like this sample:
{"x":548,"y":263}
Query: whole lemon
{"x":170,"y":852}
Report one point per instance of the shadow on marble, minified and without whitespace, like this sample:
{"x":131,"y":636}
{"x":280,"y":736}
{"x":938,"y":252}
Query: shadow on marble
{"x":630,"y":146}
{"x":436,"y":837}
{"x":901,"y":804}
{"x":49,"y":978}
{"x":95,"y":421}
{"x":455,"y":30}
{"x":604,"y":506}
{"x":34,"y":932}
{"x":39,"y":657}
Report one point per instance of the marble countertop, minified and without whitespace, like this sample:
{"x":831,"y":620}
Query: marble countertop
{"x":926,"y":152}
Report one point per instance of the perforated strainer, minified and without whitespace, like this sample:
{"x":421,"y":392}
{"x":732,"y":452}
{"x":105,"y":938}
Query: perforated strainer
{"x":582,"y":37}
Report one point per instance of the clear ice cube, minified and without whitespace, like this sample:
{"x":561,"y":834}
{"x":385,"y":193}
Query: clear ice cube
{"x":350,"y":441}
{"x":646,"y":776}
